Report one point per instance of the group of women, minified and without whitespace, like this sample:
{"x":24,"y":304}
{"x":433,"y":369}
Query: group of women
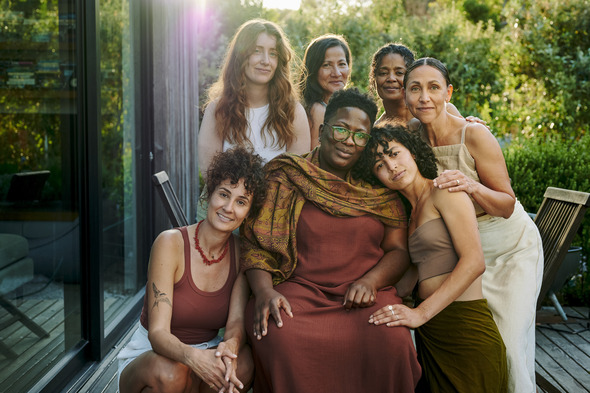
{"x":357,"y":214}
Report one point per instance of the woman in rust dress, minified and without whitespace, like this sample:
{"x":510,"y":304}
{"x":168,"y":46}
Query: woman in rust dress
{"x":321,"y":257}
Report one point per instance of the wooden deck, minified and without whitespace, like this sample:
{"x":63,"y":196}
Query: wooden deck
{"x":35,"y":355}
{"x":563,"y":350}
{"x":562,"y":355}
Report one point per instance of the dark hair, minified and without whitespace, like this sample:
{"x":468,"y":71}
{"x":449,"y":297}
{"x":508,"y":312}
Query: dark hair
{"x":351,"y":97}
{"x":313,"y":59}
{"x":388,"y":49}
{"x":429,"y":61}
{"x":381,"y":136}
{"x":235,"y":164}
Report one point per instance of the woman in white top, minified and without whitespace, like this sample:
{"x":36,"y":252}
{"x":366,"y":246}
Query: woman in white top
{"x":254,"y":103}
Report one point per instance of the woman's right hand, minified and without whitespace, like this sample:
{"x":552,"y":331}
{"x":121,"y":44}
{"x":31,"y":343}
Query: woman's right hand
{"x":269,"y":302}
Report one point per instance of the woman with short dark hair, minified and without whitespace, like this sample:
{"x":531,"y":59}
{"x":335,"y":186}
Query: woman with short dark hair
{"x":321,"y":256}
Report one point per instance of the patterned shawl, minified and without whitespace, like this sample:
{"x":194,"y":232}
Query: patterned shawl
{"x":268,"y":241}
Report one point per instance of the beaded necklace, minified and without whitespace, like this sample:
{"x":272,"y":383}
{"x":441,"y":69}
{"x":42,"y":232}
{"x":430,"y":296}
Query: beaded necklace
{"x":206,"y":260}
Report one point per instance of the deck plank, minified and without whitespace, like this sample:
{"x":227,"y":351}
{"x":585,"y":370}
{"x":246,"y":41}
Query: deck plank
{"x":571,"y":360}
{"x":562,"y":355}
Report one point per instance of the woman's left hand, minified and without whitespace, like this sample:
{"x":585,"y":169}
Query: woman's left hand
{"x":454,"y":181}
{"x":360,"y":293}
{"x":398,"y":315}
{"x":227,"y":353}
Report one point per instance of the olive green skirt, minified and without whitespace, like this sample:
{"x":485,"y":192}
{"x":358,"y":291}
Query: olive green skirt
{"x":461,"y":350}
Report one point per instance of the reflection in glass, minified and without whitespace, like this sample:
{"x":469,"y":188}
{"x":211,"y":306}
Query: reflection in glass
{"x":39,"y":214}
{"x":118,"y":159}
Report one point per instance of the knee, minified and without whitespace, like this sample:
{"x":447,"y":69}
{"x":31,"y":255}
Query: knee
{"x":173,"y":378}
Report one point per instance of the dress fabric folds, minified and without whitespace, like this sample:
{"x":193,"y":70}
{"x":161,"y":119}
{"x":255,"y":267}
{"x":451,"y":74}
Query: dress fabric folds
{"x":324,"y":347}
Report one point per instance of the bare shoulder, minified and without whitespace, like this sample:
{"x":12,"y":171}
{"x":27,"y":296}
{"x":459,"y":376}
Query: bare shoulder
{"x":298,"y":107}
{"x":477,"y":134}
{"x":211,"y":106}
{"x":443,"y":199}
{"x":169,"y":241}
{"x":317,"y":110}
{"x":300,"y":111}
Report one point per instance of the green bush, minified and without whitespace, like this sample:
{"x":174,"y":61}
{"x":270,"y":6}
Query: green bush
{"x":550,"y":161}
{"x":554,"y":161}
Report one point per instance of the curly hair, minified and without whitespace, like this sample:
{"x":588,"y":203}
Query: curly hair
{"x":381,"y":136}
{"x":230,"y":89}
{"x":313,"y":59}
{"x":236,"y":164}
{"x":351,"y":97}
{"x":388,"y":49}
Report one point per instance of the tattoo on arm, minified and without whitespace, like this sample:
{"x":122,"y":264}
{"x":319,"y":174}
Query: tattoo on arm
{"x":159,"y":297}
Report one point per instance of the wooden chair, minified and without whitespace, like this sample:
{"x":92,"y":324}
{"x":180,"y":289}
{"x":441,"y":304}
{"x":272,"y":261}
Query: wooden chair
{"x":558,"y":220}
{"x":168,"y":196}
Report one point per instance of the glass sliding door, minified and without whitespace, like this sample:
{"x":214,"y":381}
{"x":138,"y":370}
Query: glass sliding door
{"x":40,"y":306}
{"x":123,"y":274}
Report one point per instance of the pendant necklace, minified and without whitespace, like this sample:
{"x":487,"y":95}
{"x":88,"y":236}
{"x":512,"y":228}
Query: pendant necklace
{"x":206,"y":260}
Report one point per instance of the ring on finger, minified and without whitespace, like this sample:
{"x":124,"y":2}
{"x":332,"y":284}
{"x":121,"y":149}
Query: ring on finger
{"x":458,"y":182}
{"x":391,"y":309}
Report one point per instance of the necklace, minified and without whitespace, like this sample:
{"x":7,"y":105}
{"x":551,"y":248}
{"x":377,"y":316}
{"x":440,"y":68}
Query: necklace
{"x":417,"y":201}
{"x":206,"y":260}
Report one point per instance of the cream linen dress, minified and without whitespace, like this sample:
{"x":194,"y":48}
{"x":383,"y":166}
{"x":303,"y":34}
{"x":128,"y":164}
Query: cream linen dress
{"x":514,"y":270}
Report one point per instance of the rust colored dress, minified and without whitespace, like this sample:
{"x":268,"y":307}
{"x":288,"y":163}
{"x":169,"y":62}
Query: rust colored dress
{"x":324,"y":347}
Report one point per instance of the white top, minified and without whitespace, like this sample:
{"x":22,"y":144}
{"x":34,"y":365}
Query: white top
{"x":262,"y":143}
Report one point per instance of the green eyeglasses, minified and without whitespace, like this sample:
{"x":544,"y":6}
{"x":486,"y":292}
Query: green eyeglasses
{"x":341,"y":134}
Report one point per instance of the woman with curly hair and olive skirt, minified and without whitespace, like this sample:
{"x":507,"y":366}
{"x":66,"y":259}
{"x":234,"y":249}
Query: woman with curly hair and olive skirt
{"x":458,"y":343}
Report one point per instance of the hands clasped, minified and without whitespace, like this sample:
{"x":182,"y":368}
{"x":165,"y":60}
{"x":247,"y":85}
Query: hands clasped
{"x":217,"y":368}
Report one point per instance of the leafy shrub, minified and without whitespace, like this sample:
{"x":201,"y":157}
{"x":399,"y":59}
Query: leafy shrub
{"x":550,"y":161}
{"x":553,"y":161}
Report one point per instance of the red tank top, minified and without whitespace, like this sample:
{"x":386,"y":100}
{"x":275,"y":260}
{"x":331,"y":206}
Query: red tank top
{"x":197,"y":315}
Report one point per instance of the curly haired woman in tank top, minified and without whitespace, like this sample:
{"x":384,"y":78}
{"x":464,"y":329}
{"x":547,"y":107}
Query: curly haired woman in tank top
{"x":194,"y":288}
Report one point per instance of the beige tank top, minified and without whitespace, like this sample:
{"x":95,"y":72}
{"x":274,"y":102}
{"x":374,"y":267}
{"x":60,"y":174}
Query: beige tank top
{"x":458,"y":157}
{"x":431,"y":249}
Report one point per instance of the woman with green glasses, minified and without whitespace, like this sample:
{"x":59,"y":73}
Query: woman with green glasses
{"x":321,"y":257}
